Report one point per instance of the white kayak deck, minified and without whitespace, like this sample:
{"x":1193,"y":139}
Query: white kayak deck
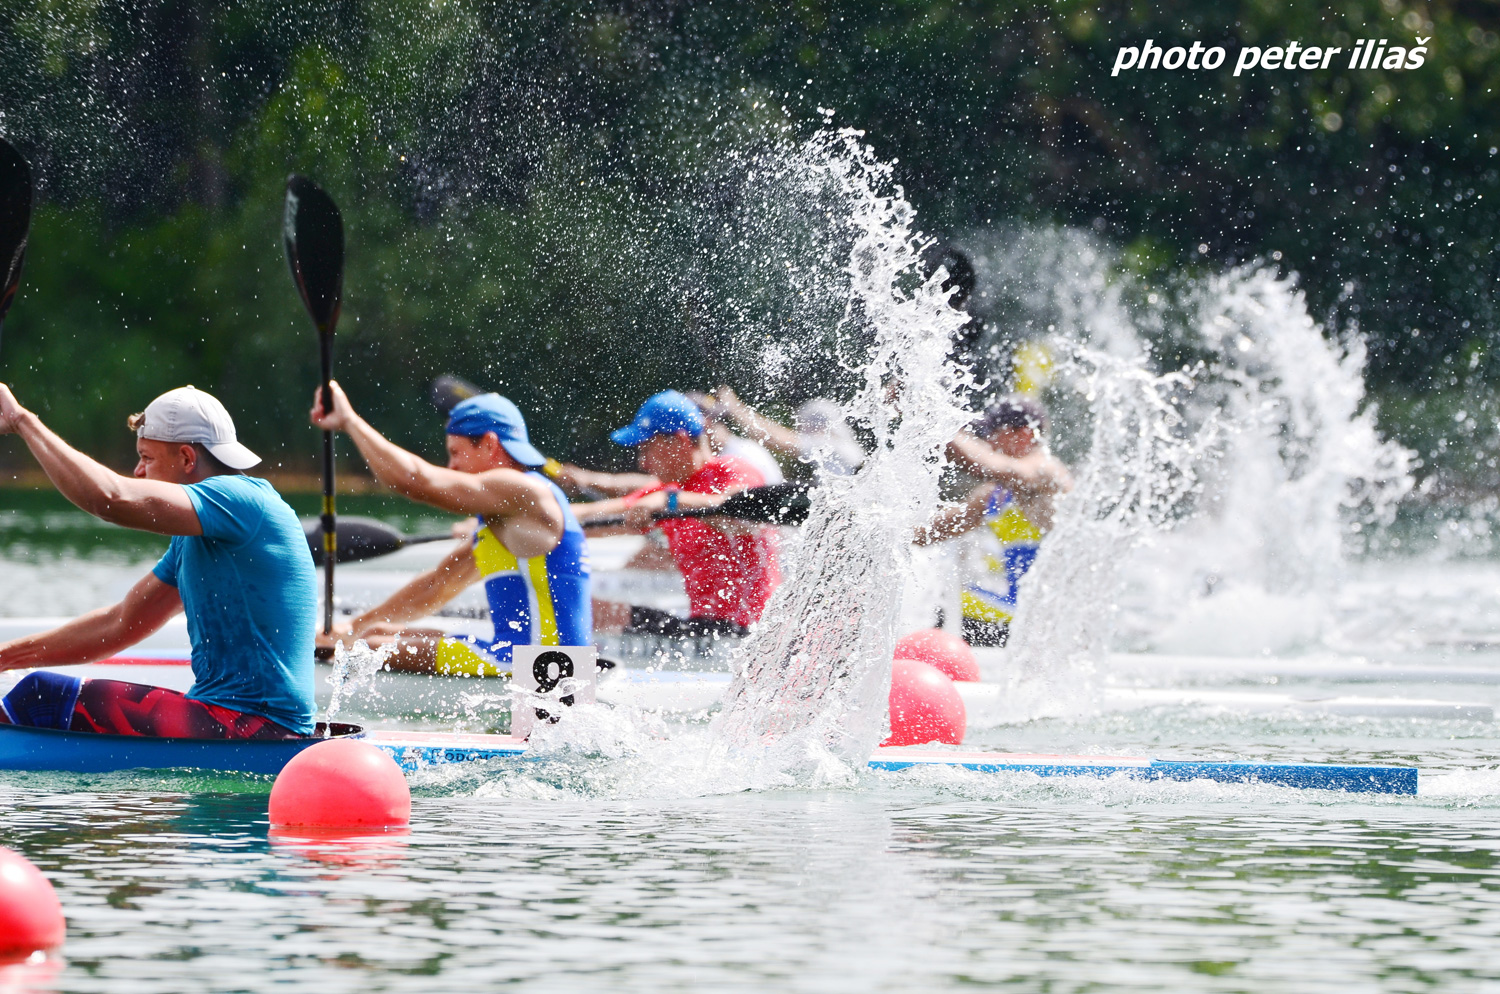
{"x":687,"y":691}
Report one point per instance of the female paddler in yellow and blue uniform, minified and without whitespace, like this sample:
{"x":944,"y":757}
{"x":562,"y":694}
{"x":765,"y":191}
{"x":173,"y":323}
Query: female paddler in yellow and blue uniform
{"x":529,"y":549}
{"x":1010,"y":513}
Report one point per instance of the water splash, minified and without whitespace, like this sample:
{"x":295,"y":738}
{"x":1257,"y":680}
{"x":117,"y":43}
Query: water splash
{"x":1227,"y":461}
{"x":1140,"y":476}
{"x":813,"y":677}
{"x":1302,"y":478}
{"x":354,"y":671}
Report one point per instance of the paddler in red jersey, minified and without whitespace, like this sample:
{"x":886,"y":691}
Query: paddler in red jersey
{"x":729,"y":567}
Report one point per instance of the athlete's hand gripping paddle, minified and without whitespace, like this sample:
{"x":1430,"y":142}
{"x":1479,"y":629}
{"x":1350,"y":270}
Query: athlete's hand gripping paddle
{"x":314,"y":235}
{"x":15,"y":221}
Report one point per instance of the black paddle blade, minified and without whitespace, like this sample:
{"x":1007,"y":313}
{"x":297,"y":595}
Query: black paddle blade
{"x":363,"y":538}
{"x":448,"y":392}
{"x":777,"y":504}
{"x":358,"y":538}
{"x":15,"y":220}
{"x":314,"y":234}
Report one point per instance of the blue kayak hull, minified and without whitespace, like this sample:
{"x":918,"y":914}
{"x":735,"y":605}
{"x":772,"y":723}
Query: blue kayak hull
{"x":24,"y":748}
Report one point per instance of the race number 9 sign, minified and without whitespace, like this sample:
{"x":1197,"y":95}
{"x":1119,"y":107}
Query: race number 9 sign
{"x":544,"y":670}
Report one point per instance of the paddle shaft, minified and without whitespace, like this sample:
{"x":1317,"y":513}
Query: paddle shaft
{"x":686,"y":512}
{"x":772,"y":504}
{"x":330,"y":517}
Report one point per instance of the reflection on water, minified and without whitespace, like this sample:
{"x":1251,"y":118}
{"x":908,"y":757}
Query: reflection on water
{"x":908,"y":882}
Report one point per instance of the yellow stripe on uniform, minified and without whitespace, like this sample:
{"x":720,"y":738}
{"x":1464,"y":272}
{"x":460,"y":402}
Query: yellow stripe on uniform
{"x":542,"y":600}
{"x":1011,"y":526}
{"x":456,"y":657}
{"x":979,"y":609}
{"x":490,"y":556}
{"x":547,"y":621}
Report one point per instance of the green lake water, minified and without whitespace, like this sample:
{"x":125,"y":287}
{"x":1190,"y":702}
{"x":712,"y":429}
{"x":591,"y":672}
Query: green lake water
{"x":591,"y":872}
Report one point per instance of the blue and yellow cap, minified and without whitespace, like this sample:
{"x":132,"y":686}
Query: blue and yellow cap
{"x":665,"y":413}
{"x":490,"y":412}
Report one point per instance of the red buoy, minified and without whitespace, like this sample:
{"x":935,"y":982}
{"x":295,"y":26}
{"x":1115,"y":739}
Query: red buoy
{"x":31,"y":917}
{"x":340,"y":783}
{"x":944,"y":650}
{"x":925,"y":706}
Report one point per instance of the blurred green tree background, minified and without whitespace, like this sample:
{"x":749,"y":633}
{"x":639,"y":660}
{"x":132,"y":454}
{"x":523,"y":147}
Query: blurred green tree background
{"x":531,"y":192}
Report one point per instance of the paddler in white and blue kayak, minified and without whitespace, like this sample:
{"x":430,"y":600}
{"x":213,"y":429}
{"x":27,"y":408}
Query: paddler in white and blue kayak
{"x":1008,"y":515}
{"x":238,"y":566}
{"x":528,"y":549}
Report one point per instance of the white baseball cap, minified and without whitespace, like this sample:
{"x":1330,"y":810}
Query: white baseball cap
{"x":189,"y":415}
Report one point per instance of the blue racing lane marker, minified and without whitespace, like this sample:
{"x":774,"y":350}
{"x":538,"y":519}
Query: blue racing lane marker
{"x":413,"y":751}
{"x":1306,"y":776}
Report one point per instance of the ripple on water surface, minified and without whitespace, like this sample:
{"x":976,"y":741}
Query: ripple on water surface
{"x":911,"y":881}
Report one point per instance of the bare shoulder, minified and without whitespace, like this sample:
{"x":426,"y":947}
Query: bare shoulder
{"x":517,"y":492}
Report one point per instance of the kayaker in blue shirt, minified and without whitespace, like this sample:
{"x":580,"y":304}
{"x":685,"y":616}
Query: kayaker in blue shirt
{"x":528,"y":548}
{"x":238,"y":565}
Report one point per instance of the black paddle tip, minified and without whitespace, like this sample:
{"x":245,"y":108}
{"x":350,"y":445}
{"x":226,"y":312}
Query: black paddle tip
{"x":14,"y":169}
{"x":314,"y":233}
{"x":15,"y":220}
{"x":447,"y":392}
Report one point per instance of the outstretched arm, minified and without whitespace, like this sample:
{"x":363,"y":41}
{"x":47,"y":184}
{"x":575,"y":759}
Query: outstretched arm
{"x":404,"y":472}
{"x":1037,"y":474}
{"x":500,"y":492}
{"x":423,"y":594}
{"x":575,"y":480}
{"x":98,"y":634}
{"x":956,"y":519}
{"x":590,"y":511}
{"x":640,"y":514}
{"x":759,"y":427}
{"x":150,"y":505}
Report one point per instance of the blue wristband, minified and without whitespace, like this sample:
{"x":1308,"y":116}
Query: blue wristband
{"x":672,"y":500}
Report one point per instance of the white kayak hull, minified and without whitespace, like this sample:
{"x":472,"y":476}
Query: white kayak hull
{"x":677,"y":692}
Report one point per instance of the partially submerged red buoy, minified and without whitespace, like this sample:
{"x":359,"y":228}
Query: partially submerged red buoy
{"x":341,"y":783}
{"x":925,"y":706}
{"x":941,"y":649}
{"x":31,"y":917}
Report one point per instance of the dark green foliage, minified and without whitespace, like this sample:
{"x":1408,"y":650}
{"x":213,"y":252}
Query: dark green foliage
{"x":551,"y":199}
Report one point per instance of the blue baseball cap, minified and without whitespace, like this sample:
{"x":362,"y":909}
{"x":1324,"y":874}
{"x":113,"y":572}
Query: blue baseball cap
{"x":665,"y":413}
{"x":490,"y":412}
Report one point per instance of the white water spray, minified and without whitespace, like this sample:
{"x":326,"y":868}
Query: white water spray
{"x":1209,"y":497}
{"x":815,"y":674}
{"x":808,"y":703}
{"x":1302,"y":473}
{"x":1140,"y":476}
{"x":354,"y":671}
